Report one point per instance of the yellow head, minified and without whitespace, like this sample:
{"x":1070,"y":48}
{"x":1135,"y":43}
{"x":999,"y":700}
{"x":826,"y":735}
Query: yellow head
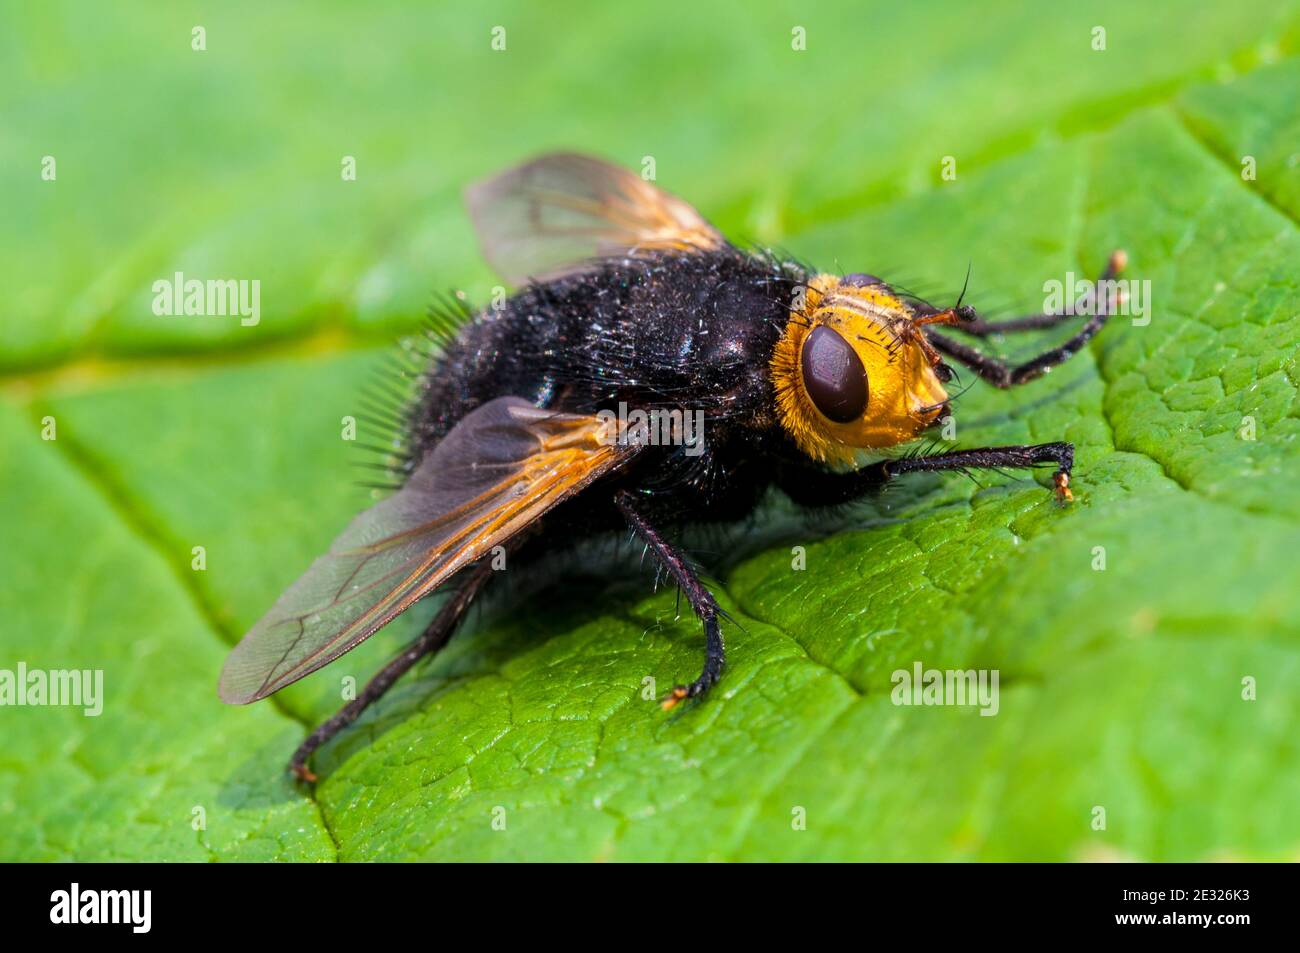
{"x":853,"y":370}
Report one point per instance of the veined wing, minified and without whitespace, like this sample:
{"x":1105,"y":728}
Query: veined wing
{"x":498,"y":470}
{"x":557,"y":211}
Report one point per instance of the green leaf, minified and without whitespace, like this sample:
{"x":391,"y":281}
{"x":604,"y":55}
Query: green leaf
{"x":1120,"y":688}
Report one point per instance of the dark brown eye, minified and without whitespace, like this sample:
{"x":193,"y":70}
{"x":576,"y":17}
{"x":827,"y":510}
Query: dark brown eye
{"x":834,"y":376}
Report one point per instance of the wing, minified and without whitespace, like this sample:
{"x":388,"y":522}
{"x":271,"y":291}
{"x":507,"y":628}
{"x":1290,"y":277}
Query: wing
{"x":557,"y":211}
{"x":499,"y":469}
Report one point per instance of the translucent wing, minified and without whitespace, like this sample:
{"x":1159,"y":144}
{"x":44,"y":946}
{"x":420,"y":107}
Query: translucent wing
{"x":499,"y":469}
{"x":557,"y":211}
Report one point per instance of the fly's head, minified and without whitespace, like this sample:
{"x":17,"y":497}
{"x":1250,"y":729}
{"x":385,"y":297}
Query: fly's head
{"x":854,"y":371}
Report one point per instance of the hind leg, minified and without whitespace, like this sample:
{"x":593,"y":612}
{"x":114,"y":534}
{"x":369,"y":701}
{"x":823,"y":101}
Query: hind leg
{"x":434,"y":637}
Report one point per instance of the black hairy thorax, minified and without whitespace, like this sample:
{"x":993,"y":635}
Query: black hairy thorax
{"x":688,"y":331}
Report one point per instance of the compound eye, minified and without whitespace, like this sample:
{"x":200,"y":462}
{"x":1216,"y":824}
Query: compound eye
{"x":833,"y":375}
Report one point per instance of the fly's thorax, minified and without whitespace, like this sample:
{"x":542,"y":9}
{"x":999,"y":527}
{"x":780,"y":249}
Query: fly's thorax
{"x":850,"y":372}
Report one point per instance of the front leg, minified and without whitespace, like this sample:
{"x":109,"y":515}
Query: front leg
{"x":1001,"y":374}
{"x":817,"y":488}
{"x":978,"y":327}
{"x":701,"y":600}
{"x":1019,"y":456}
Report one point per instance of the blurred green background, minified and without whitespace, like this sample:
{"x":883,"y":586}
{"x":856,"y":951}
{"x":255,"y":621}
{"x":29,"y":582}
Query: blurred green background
{"x":1121,"y":688}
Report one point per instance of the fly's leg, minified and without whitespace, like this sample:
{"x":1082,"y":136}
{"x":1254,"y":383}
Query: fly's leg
{"x":1003,"y":375}
{"x":434,"y":637}
{"x":701,"y":600}
{"x":980,"y":328}
{"x":817,"y":488}
{"x":992,"y":458}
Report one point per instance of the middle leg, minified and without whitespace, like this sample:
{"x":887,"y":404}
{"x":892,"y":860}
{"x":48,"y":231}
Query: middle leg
{"x":701,"y":600}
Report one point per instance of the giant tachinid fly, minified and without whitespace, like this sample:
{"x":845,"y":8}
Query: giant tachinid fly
{"x":566,"y":412}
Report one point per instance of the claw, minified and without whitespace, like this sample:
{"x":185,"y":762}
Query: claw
{"x":1061,"y":483}
{"x":304,"y":773}
{"x":676,"y":695}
